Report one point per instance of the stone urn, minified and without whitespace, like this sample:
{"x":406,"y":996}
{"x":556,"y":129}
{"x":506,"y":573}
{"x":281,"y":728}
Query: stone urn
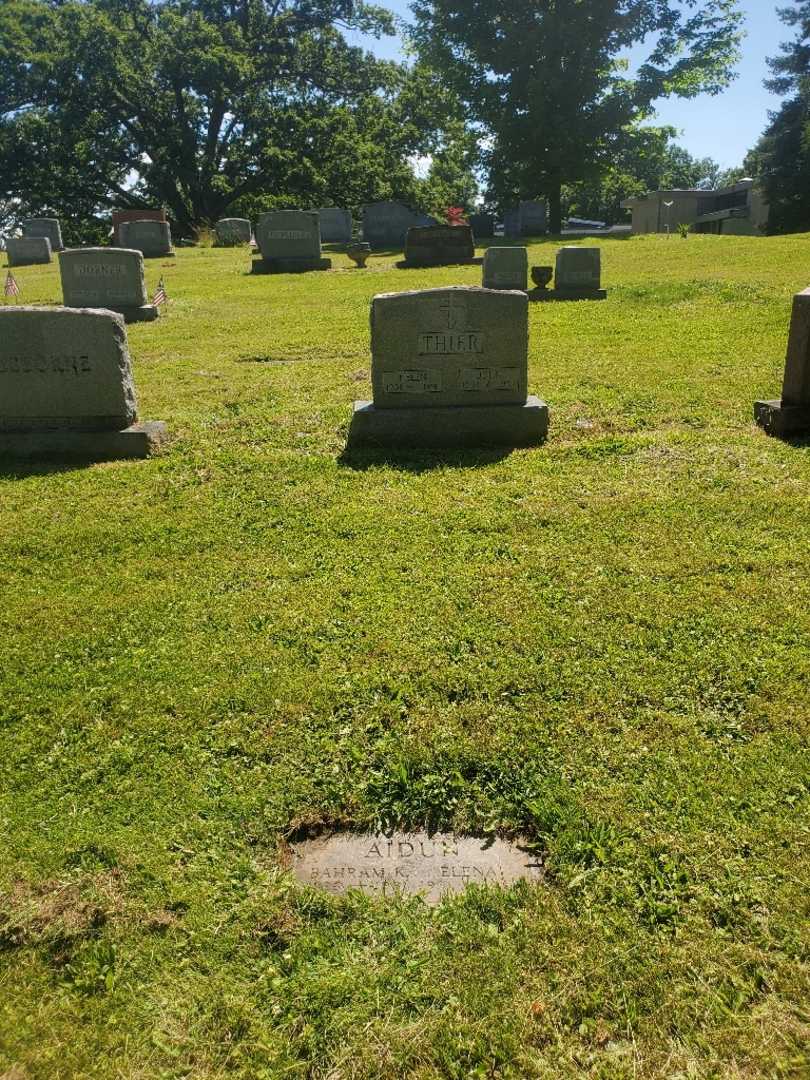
{"x":359,"y":253}
{"x":542,"y":275}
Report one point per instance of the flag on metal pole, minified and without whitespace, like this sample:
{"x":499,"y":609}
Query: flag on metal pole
{"x":11,"y":288}
{"x":160,"y":296}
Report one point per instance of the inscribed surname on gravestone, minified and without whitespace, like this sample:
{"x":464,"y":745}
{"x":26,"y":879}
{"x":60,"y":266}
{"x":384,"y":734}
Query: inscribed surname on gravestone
{"x":452,"y":346}
{"x":152,"y":238}
{"x":28,"y":250}
{"x":578,"y":268}
{"x":289,"y":234}
{"x":103,"y":277}
{"x":439,"y":245}
{"x":506,"y":268}
{"x":64,"y":368}
{"x":233,"y":231}
{"x":47,"y":227}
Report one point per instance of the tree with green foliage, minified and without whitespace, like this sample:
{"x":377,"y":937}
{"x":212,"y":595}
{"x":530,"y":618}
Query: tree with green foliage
{"x":548,"y":83}
{"x":781,"y":158}
{"x":204,"y":105}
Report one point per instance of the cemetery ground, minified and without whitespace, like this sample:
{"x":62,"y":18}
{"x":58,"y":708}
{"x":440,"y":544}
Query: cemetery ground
{"x":601,"y":644}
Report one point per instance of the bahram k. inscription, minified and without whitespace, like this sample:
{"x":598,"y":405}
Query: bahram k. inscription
{"x":411,"y":863}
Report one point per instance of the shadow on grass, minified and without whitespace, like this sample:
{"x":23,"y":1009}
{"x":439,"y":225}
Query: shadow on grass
{"x":22,"y":468}
{"x":421,"y":461}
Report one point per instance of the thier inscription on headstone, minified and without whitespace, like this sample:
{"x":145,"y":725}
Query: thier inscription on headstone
{"x":66,"y":385}
{"x":790,"y":414}
{"x":152,"y":238}
{"x":232,"y":232}
{"x":289,"y":242}
{"x":336,"y":225}
{"x":439,"y":245}
{"x":482,"y":225}
{"x":111,"y":278}
{"x":449,"y":368}
{"x":505,"y":268}
{"x":47,"y":227}
{"x":28,"y":250}
{"x":386,"y":224}
{"x":411,"y":863}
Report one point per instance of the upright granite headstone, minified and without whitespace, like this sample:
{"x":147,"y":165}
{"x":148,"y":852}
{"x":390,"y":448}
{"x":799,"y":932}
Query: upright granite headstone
{"x":532,"y":218}
{"x":439,"y":245}
{"x":482,"y":225}
{"x":152,"y":238}
{"x":28,"y":250}
{"x":233,"y":231}
{"x":386,"y":224}
{"x":449,"y":368}
{"x":109,"y":278}
{"x":120,"y":217}
{"x":511,"y":222}
{"x":506,"y":268}
{"x":790,"y":415}
{"x":289,"y":242}
{"x":48,"y":227}
{"x":336,"y":225}
{"x":577,"y":274}
{"x":66,"y":386}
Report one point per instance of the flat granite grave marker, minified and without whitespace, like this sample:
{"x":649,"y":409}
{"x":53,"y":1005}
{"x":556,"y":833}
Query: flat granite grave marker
{"x":438,"y":245}
{"x":790,"y":414}
{"x":289,"y":242}
{"x":449,"y":368}
{"x":66,"y":386}
{"x":233,"y":231}
{"x":336,"y":225}
{"x":28,"y":250}
{"x":386,"y":224}
{"x":506,"y":268}
{"x":109,"y":278}
{"x":152,"y":238}
{"x":411,"y":863}
{"x":47,"y":227}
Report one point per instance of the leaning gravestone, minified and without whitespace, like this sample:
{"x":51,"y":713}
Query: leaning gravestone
{"x":66,"y":386}
{"x":289,"y":242}
{"x":152,"y":238}
{"x":336,"y":225}
{"x":28,"y":250}
{"x":482,"y":225}
{"x":449,"y":368}
{"x":532,"y":217}
{"x":506,"y":268}
{"x":577,"y":275}
{"x":439,"y":245}
{"x":411,"y":863}
{"x":790,"y":414}
{"x":110,"y":278}
{"x":386,"y":224}
{"x":233,"y":231}
{"x":47,"y":227}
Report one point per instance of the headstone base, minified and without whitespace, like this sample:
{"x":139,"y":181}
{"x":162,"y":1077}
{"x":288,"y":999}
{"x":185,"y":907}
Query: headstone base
{"x":423,"y":264}
{"x":436,"y":427}
{"x":147,"y":313}
{"x":289,"y":266}
{"x":136,"y":441}
{"x":782,"y":420}
{"x":536,"y":295}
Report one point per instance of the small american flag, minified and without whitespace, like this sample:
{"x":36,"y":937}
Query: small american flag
{"x":160,"y":296}
{"x":11,"y":288}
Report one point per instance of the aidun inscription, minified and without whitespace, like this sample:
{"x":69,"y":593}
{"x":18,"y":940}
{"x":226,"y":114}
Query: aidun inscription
{"x":411,"y":863}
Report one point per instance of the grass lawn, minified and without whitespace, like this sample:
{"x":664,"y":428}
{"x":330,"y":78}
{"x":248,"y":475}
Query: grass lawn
{"x":602,"y":644}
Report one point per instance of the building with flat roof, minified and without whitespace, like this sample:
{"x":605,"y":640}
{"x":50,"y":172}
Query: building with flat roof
{"x":739,"y":210}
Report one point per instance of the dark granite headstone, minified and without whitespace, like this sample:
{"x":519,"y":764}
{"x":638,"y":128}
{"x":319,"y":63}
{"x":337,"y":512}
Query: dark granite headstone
{"x":439,"y":245}
{"x":790,"y":414}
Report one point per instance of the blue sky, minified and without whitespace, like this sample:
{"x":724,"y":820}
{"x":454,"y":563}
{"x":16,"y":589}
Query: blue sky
{"x":723,"y":127}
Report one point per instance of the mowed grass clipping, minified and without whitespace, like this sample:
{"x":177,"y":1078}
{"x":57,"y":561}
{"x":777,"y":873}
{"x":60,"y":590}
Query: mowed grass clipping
{"x":602,"y":644}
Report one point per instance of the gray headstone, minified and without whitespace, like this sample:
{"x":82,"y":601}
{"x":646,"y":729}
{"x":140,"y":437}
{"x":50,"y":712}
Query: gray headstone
{"x":439,"y":245}
{"x":511,"y":222}
{"x":109,"y":278}
{"x":532,"y":218}
{"x":336,"y":225}
{"x":289,"y":234}
{"x":28,"y":250}
{"x":411,"y":863}
{"x":506,"y":268}
{"x":47,"y":227}
{"x":451,"y":346}
{"x":386,"y":224}
{"x":233,"y":231}
{"x":483,"y":226}
{"x":64,"y":368}
{"x":152,"y":238}
{"x":790,"y":415}
{"x":578,"y":268}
